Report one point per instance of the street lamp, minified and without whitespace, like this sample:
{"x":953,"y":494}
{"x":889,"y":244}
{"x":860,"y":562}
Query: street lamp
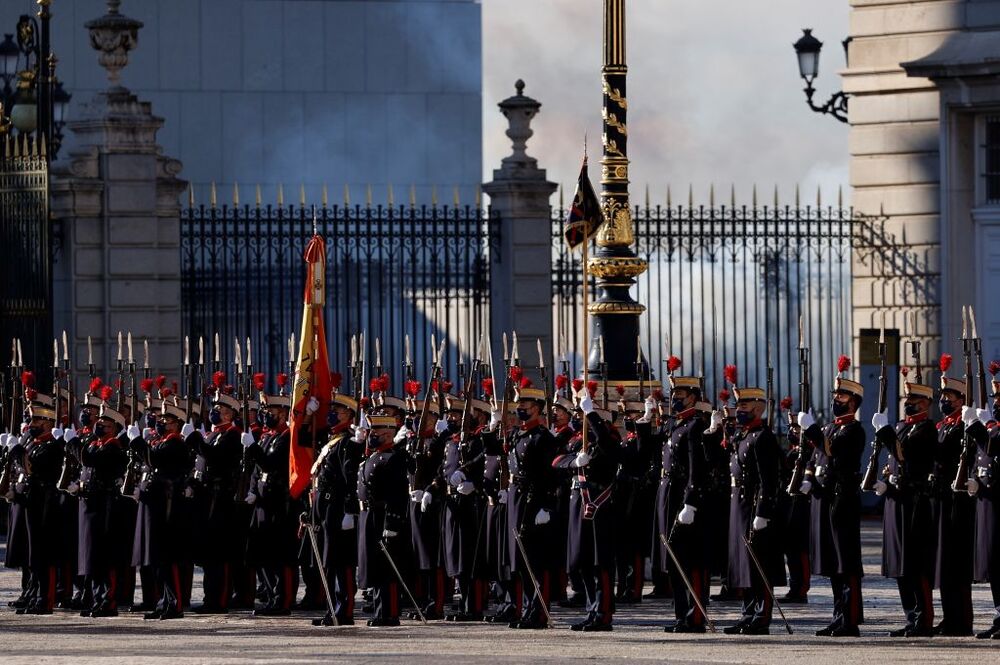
{"x":807,"y":49}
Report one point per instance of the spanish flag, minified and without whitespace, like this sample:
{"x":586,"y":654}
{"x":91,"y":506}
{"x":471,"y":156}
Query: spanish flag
{"x":585,"y":214}
{"x":312,"y":371}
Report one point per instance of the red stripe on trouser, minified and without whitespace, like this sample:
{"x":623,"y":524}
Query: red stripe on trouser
{"x":605,"y":581}
{"x":50,"y":595}
{"x":928,"y":597}
{"x":393,"y":601}
{"x":854,"y":607}
{"x":439,"y":592}
{"x":637,"y":575}
{"x":224,"y":589}
{"x":806,"y":573}
{"x":175,"y":575}
{"x":546,"y":584}
{"x":286,"y":578}
{"x":518,"y":596}
{"x":113,"y":588}
{"x":349,"y":583}
{"x":696,"y":581}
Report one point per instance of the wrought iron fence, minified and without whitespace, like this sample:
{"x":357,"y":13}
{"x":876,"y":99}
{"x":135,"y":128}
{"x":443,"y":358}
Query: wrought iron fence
{"x":726,"y":282}
{"x":26,"y":284}
{"x":391,"y":272}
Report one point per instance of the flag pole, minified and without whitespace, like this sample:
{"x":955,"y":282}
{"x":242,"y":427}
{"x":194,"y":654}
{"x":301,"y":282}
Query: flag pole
{"x":586,"y":327}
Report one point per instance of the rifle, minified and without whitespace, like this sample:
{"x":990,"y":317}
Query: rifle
{"x":470,"y":386}
{"x":962,"y":472}
{"x":435,"y":378}
{"x":440,"y":380}
{"x":545,"y":384}
{"x":805,"y":398}
{"x":188,"y":380}
{"x":120,"y":392}
{"x":638,"y":368}
{"x":915,"y":349}
{"x":16,"y":407}
{"x":243,"y":482}
{"x":68,"y":371}
{"x":871,"y":471}
{"x":770,"y":388}
{"x":602,"y":367}
{"x":133,"y":384}
{"x":202,"y":402}
{"x":55,"y":380}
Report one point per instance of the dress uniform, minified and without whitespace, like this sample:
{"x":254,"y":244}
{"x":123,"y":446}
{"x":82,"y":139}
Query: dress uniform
{"x":272,"y":542}
{"x":16,"y":552}
{"x":680,"y":496}
{"x":334,"y":508}
{"x":217,"y":470}
{"x":955,"y":512}
{"x":561,"y":430}
{"x":909,"y":537}
{"x":794,"y":510}
{"x":383,"y":489}
{"x":530,"y":502}
{"x":833,"y":482}
{"x":984,"y":427}
{"x":496,"y":485}
{"x":163,"y":525}
{"x":717,"y":438}
{"x":755,"y":470}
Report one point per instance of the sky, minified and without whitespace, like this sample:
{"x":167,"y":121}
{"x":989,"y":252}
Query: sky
{"x":714,"y":93}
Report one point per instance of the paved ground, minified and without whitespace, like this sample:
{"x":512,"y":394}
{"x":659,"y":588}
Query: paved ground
{"x":637,"y":636}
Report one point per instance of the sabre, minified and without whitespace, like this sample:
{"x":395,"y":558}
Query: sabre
{"x":687,"y":583}
{"x":311,"y":528}
{"x":531,"y":573}
{"x":402,"y":582}
{"x":767,"y":585}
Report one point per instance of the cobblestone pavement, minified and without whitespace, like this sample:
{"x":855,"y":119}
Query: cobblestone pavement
{"x":638,"y":636}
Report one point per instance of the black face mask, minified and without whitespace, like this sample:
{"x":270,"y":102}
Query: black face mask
{"x":996,"y":412}
{"x":575,"y":423}
{"x":100,"y":430}
{"x":161,"y":429}
{"x":629,"y":425}
{"x":744,"y":417}
{"x":373,"y":441}
{"x":262,"y":418}
{"x":214,"y":417}
{"x":150,"y":421}
{"x":911,"y":409}
{"x":677,"y":405}
{"x":84,"y":418}
{"x":522,"y":415}
{"x":269,"y":420}
{"x":841,"y":408}
{"x":34,"y":432}
{"x":947,"y":408}
{"x":453,"y":426}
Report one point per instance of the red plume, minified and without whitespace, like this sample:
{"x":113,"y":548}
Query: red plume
{"x":994,"y":367}
{"x":379,"y":384}
{"x":658,"y":395}
{"x":166,"y":392}
{"x":447,"y":385}
{"x":219,"y":379}
{"x":592,"y":387}
{"x":488,"y":387}
{"x":176,"y":391}
{"x":412,"y":388}
{"x":146,"y":385}
{"x":843,"y":364}
{"x":364,"y":402}
{"x":729,"y":372}
{"x":515,"y":374}
{"x":525,"y":382}
{"x":336,"y":378}
{"x":162,"y":380}
{"x":28,"y":379}
{"x":724,"y":395}
{"x":107,"y":392}
{"x":258,"y":381}
{"x":282,"y":379}
{"x":673,"y":363}
{"x":945,"y":362}
{"x":620,"y":389}
{"x":786,"y":403}
{"x":577,"y":385}
{"x":228,"y":389}
{"x":434,"y":386}
{"x":30,"y":394}
{"x":905,"y":371}
{"x":561,"y":381}
{"x":96,"y":383}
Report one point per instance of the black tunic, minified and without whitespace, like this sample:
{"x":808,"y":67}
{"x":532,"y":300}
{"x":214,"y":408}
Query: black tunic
{"x":43,"y":465}
{"x":104,"y":514}
{"x":683,"y":481}
{"x":16,"y":555}
{"x":495,"y":483}
{"x":835,"y":536}
{"x":533,"y":483}
{"x":635,"y":492}
{"x":273,"y":536}
{"x":986,"y":472}
{"x":464,"y":535}
{"x":955,"y":512}
{"x":425,"y":458}
{"x":335,"y":494}
{"x":383,"y":488}
{"x":163,"y":522}
{"x":217,"y":525}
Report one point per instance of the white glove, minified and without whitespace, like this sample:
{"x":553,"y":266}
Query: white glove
{"x":502,"y":496}
{"x":201,"y":430}
{"x":805,"y":419}
{"x":363,"y":422}
{"x":650,"y":406}
{"x":403,"y":433}
{"x":11,"y":440}
{"x":714,"y":422}
{"x":880,"y":420}
{"x":441,"y":426}
{"x":133,"y":432}
{"x":586,"y":404}
{"x":466,"y":488}
{"x":417,"y":496}
{"x":57,"y":433}
{"x":686,"y":516}
{"x":187,"y":430}
{"x":247,"y":439}
{"x":972,"y":486}
{"x":73,"y":487}
{"x":582,"y":460}
{"x":24,"y":427}
{"x":805,"y":487}
{"x":148,"y":433}
{"x":984,"y":415}
{"x":347,"y":523}
{"x":3,"y":440}
{"x":388,"y":533}
{"x":425,"y":501}
{"x":880,"y":488}
{"x":456,"y":479}
{"x":312,"y":406}
{"x":970,"y":415}
{"x":251,"y":498}
{"x":188,"y":492}
{"x":360,"y":434}
{"x":71,"y":434}
{"x":759,"y":523}
{"x":494,"y":420}
{"x":542,"y":518}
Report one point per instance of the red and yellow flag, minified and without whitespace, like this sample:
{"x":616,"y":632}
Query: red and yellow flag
{"x":312,"y":371}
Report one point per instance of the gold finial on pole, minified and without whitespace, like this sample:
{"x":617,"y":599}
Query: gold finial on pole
{"x":455,"y":197}
{"x":302,"y":195}
{"x":368,"y":196}
{"x":281,"y":195}
{"x":392,"y":202}
{"x":256,"y":195}
{"x":212,"y":199}
{"x":190,"y":194}
{"x":324,"y":197}
{"x":413,"y":196}
{"x":434,"y":195}
{"x":236,"y":194}
{"x":347,"y":195}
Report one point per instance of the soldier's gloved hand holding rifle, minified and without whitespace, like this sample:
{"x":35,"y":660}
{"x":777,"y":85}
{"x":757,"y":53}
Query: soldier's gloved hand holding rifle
{"x":441,"y":426}
{"x":247,"y":439}
{"x":133,"y":432}
{"x":759,"y":523}
{"x":880,"y":421}
{"x":187,"y":430}
{"x":542,"y":518}
{"x":714,"y":423}
{"x":686,"y":516}
{"x":650,"y":406}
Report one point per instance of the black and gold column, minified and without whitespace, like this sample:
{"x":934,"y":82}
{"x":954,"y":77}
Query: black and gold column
{"x":615,"y":314}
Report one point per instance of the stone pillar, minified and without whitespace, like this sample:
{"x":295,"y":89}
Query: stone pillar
{"x":521,"y":285}
{"x":116,"y":198}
